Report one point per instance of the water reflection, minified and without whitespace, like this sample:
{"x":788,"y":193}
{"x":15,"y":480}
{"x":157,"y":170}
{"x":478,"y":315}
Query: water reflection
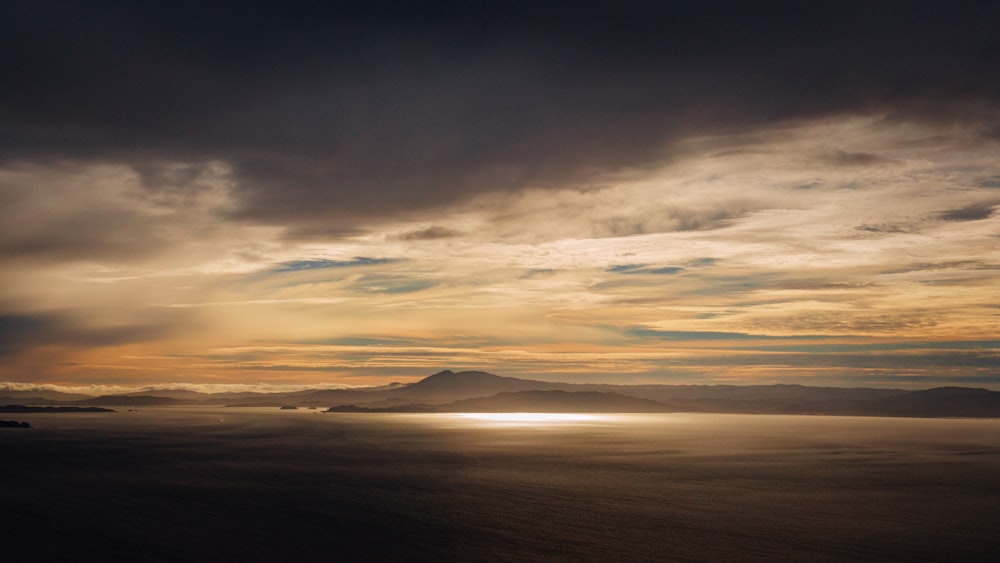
{"x":167,"y":483}
{"x":530,"y":418}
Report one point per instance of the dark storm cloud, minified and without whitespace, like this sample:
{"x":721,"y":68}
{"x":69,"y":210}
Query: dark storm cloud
{"x":20,"y":332}
{"x":845,"y":158}
{"x":430,"y":233}
{"x":973,"y":212}
{"x":344,"y":111}
{"x":46,"y":216}
{"x":101,"y":234}
{"x":887,"y":228}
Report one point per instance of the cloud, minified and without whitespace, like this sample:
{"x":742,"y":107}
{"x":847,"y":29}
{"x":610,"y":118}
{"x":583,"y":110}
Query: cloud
{"x":22,"y":332}
{"x":844,"y":323}
{"x":65,"y":211}
{"x":322,"y":264}
{"x":336,"y":116}
{"x":674,"y":335}
{"x":664,"y":219}
{"x":70,"y":212}
{"x":974,"y":212}
{"x":183,"y":195}
{"x":845,"y":158}
{"x":390,"y":284}
{"x":433,"y":232}
{"x":645,"y":269}
{"x":887,"y":228}
{"x":18,"y":331}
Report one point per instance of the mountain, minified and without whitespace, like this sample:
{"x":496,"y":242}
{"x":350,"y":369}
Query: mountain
{"x":450,"y":386}
{"x":484,"y":392}
{"x":37,"y":396}
{"x":131,"y":401}
{"x":944,"y":401}
{"x":441,"y":390}
{"x":179,"y":394}
{"x":777,"y":392}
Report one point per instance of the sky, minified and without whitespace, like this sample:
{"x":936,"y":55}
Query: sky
{"x":278,"y":195}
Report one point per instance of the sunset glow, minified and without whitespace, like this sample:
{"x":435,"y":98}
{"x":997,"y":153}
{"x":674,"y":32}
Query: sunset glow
{"x":393,"y":281}
{"x":741,"y":232}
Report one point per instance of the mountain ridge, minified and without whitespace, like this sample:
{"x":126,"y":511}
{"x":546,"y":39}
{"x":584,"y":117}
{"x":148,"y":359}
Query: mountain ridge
{"x":445,"y":387}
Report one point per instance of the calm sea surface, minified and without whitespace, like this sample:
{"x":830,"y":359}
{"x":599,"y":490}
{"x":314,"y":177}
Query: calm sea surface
{"x":226,"y":484}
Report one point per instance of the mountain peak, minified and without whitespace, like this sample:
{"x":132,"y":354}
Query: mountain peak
{"x":450,"y":378}
{"x":450,"y":385}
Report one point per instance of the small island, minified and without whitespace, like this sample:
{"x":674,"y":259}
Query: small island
{"x":13,"y":424}
{"x":32,"y":408}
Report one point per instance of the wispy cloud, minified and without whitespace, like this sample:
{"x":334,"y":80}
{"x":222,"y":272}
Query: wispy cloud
{"x":843,"y":249}
{"x":631,"y":269}
{"x":321,"y":264}
{"x":973,"y":212}
{"x":432,"y":232}
{"x":675,"y":335}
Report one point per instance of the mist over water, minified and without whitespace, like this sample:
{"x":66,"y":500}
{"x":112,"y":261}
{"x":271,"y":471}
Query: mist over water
{"x":222,"y":484}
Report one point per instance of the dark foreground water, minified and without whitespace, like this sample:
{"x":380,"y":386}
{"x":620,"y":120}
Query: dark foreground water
{"x":214,"y":484}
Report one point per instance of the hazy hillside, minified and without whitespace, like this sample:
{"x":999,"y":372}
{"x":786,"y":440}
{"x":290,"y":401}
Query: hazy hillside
{"x":131,"y":401}
{"x":476,"y":390}
{"x":782,"y":392}
{"x":944,"y":401}
{"x":450,"y":386}
{"x":37,"y":396}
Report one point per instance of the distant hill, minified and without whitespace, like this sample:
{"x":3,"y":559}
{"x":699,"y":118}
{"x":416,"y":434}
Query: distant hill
{"x":131,"y":401}
{"x":440,"y":390}
{"x":35,"y":408}
{"x":179,"y":394}
{"x":450,"y":386}
{"x":484,"y":392}
{"x":37,"y":396}
{"x":13,"y":424}
{"x":777,"y":392}
{"x":944,"y":401}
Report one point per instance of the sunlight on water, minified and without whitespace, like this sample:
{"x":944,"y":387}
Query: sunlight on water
{"x":530,"y":418}
{"x":498,"y":487}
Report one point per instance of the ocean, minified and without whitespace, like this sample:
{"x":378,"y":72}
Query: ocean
{"x":262,"y":484}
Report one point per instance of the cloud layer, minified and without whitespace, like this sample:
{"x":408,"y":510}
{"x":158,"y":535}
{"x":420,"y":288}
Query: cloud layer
{"x":266,"y":194}
{"x":331,"y":117}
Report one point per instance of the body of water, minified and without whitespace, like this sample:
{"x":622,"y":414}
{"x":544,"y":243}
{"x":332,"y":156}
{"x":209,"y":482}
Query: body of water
{"x":227,"y":484}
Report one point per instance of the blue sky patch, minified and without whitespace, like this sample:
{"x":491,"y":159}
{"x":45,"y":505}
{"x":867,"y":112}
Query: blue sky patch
{"x":391,"y":284}
{"x":303,"y":265}
{"x":644,"y":269}
{"x":709,"y":335}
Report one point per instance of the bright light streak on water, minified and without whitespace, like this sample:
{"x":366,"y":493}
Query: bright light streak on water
{"x":165,"y":484}
{"x":530,"y":418}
